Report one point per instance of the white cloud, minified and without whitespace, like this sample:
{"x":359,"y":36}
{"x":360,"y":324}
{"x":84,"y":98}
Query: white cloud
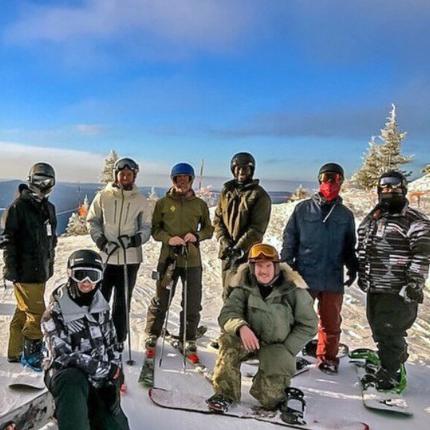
{"x":89,"y":129}
{"x":70,"y":165}
{"x":201,"y":24}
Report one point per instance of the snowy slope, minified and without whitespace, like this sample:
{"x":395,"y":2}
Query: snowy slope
{"x":337,"y":396}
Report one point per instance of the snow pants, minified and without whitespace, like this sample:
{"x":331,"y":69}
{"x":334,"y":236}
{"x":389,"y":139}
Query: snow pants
{"x":330,"y":320}
{"x":275,"y":370}
{"x":113,"y":280}
{"x":389,"y":318}
{"x":30,"y":306}
{"x":192,"y":278}
{"x":78,"y":405}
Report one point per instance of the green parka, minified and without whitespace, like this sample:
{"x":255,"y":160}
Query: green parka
{"x":177,"y":215}
{"x":286,"y":317}
{"x":242,"y":215}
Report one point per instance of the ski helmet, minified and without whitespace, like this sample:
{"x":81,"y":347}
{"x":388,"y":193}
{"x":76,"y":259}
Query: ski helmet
{"x":124,"y":163}
{"x":182,"y":169}
{"x":85,"y":258}
{"x":332,"y":168}
{"x":242,"y":159}
{"x":393,"y":179}
{"x":41,"y":177}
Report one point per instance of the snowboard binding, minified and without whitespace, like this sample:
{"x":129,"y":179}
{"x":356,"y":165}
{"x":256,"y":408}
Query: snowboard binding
{"x":293,"y":407}
{"x":310,"y":349}
{"x":218,"y":403}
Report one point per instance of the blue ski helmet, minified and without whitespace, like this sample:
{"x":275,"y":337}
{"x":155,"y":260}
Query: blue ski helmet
{"x":182,"y":169}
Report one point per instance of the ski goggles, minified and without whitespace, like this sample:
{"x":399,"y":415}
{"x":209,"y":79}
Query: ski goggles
{"x":126,"y":163}
{"x":82,"y":274}
{"x":42,"y":182}
{"x":390,"y":182}
{"x":262,"y":251}
{"x":331,"y":177}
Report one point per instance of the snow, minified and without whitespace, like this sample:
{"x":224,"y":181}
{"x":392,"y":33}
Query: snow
{"x":328,"y":396}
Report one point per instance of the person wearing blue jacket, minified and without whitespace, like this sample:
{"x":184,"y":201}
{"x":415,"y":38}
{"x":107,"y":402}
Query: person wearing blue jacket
{"x":318,"y":241}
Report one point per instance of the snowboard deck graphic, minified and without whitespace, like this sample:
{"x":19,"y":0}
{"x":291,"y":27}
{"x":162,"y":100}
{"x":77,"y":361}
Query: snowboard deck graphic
{"x":383,"y":401}
{"x":195,"y":403}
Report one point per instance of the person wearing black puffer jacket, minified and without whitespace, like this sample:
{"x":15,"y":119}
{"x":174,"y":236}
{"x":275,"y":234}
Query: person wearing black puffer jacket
{"x":319,"y":240}
{"x":30,"y":239}
{"x":394,"y":257}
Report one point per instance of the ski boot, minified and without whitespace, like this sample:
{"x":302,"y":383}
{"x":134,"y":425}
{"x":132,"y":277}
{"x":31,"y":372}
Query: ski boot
{"x":385,"y":381}
{"x":190,"y":351}
{"x":150,"y":345}
{"x":330,"y":367}
{"x":218,"y":403}
{"x":33,"y":354}
{"x":293,"y":407}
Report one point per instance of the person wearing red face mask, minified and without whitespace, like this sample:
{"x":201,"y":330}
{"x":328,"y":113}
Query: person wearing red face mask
{"x":318,"y":241}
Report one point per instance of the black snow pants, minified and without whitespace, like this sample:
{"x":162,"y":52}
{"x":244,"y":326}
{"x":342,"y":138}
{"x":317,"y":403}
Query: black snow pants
{"x":159,"y":304}
{"x":113,"y":279}
{"x":78,"y":405}
{"x":389,"y":318}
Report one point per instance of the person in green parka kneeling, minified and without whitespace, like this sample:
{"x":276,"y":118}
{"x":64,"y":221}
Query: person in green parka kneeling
{"x":268,"y":315}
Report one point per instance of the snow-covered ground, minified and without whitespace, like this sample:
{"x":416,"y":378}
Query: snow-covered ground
{"x":335,"y":397}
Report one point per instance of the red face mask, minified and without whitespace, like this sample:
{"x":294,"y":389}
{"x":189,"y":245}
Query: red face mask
{"x":330,"y":190}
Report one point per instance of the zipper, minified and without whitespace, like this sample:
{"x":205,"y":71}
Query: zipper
{"x":120,"y":217}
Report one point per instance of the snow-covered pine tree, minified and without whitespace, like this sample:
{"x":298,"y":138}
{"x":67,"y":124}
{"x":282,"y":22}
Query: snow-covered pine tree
{"x":426,"y":170}
{"x":107,"y":172}
{"x":367,"y":176}
{"x":390,"y":153}
{"x":76,"y":226}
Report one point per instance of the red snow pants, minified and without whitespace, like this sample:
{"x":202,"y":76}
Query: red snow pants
{"x":329,"y":308}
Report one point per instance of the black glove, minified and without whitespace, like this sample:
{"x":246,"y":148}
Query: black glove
{"x":351,"y":277}
{"x":101,"y":242}
{"x":412,"y":293}
{"x":225,"y":246}
{"x":233,"y":255}
{"x":130,"y":241}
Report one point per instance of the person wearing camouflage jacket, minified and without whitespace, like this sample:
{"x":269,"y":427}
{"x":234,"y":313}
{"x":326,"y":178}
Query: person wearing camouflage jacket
{"x":83,"y":367}
{"x":268,"y":315}
{"x":180,"y":222}
{"x":394,"y":257}
{"x":241,"y":216}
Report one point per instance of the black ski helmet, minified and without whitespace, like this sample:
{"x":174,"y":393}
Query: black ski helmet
{"x":85,"y":258}
{"x":124,"y":163}
{"x":333,"y":168}
{"x":394,"y":174}
{"x":242,"y":159}
{"x":37,"y":173}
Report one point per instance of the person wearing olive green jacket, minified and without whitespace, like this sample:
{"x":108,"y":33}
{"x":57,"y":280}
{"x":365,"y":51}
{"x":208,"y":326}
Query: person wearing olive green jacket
{"x":268,"y":315}
{"x":180,"y":221}
{"x":241,"y":216}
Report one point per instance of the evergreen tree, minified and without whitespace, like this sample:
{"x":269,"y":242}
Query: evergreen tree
{"x":426,"y":170}
{"x":107,"y":172}
{"x":76,"y":226}
{"x":383,"y":156}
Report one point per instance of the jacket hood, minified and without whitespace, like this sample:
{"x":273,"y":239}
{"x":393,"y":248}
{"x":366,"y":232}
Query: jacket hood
{"x":243,"y":277}
{"x":72,"y":312}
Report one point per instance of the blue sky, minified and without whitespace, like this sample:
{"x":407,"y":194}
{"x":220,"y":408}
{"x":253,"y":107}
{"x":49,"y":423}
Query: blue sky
{"x":296,"y":82}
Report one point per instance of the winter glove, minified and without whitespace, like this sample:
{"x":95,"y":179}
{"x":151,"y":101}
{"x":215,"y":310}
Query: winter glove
{"x":412,"y":293}
{"x":225,"y":245}
{"x":234,"y":254}
{"x":351,"y":277}
{"x":101,"y":242}
{"x":130,"y":241}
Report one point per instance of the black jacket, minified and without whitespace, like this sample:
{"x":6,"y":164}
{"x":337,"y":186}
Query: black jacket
{"x":318,"y":241}
{"x":393,"y":250}
{"x":29,"y":228}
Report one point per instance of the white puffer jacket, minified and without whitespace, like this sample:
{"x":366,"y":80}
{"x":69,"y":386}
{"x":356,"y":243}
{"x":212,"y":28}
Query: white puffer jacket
{"x":115,"y":212}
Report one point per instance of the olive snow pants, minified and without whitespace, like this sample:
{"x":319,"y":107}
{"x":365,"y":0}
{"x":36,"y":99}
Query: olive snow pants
{"x":78,"y":405}
{"x":30,"y":306}
{"x":192,"y":278}
{"x":389,"y":318}
{"x":275,"y":370}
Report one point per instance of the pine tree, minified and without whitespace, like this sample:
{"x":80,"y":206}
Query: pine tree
{"x":107,"y":172}
{"x":391,"y":157}
{"x":76,"y":226}
{"x":383,"y":156}
{"x":426,"y":170}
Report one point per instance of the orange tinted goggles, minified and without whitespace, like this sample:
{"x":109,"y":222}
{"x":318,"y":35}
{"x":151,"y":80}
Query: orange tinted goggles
{"x":331,"y":177}
{"x":261,"y":251}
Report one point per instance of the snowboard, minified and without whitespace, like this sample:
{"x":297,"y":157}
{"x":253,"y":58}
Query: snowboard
{"x":146,"y":377}
{"x":33,"y":414}
{"x":388,"y":401}
{"x":27,"y":380}
{"x":194,"y":403}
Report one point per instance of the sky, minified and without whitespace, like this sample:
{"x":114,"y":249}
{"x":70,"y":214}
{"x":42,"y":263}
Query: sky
{"x":297,"y":83}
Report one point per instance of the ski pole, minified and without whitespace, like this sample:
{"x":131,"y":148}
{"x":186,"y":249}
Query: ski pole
{"x":185,"y":288}
{"x":130,"y":361}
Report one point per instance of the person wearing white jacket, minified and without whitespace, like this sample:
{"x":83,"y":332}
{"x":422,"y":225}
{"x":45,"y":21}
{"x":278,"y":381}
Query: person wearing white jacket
{"x":120,"y":217}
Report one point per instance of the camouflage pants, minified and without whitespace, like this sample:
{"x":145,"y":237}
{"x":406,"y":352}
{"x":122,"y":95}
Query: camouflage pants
{"x":30,"y":306}
{"x":276,"y":367}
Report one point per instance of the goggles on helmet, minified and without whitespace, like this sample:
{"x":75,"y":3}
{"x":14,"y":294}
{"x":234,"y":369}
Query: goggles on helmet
{"x":390,"y":182}
{"x":330,"y":177}
{"x":90,"y":274}
{"x":261,"y":251}
{"x":126,"y":163}
{"x":42,"y":182}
